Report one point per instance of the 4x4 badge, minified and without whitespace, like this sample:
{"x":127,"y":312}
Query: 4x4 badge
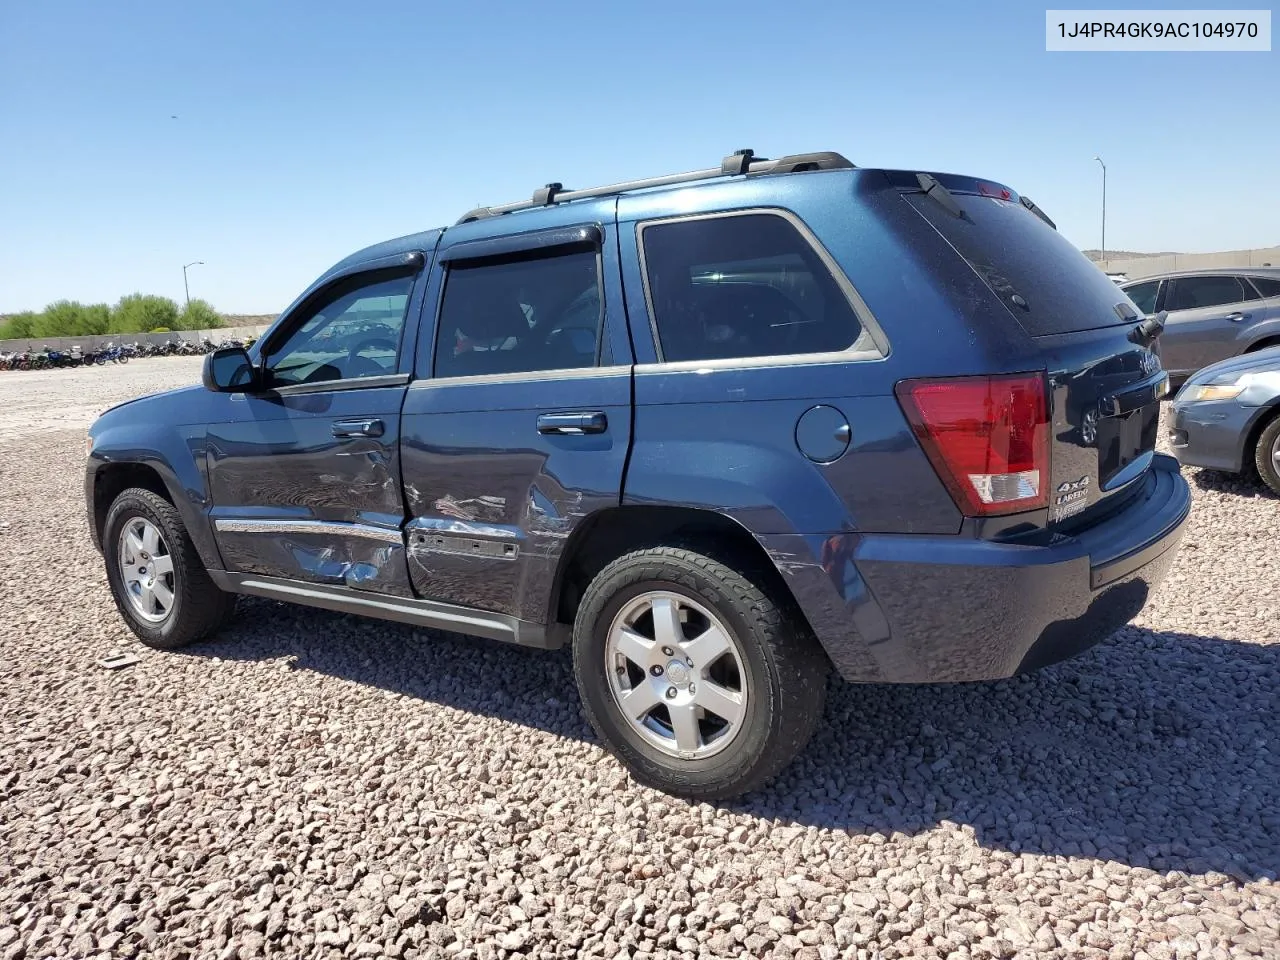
{"x":1069,"y":486}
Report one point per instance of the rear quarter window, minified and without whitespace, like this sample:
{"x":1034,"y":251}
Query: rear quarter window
{"x":1267,"y":286}
{"x":1048,"y":285}
{"x":1143,"y":295}
{"x":742,"y":285}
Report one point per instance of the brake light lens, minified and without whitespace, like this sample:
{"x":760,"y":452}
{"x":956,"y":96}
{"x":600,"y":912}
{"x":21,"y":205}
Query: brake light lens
{"x":988,"y":438}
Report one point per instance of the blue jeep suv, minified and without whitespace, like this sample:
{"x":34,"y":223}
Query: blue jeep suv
{"x":719,"y":431}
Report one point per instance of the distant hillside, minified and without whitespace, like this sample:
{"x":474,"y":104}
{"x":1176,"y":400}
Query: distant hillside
{"x":1126,"y":254}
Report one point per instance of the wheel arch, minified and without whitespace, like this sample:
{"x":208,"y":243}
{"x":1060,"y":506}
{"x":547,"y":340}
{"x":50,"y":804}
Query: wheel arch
{"x":1249,"y":450}
{"x":108,"y":478}
{"x":112,"y":479}
{"x":1262,"y":343}
{"x":608,"y":534}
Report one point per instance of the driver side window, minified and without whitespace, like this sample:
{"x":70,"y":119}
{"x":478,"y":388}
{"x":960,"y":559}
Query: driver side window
{"x":354,"y":333}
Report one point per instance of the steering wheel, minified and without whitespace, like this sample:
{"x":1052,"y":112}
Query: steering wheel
{"x":355,"y":361}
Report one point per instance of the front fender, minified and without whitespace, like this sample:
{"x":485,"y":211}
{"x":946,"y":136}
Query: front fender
{"x":176,"y":454}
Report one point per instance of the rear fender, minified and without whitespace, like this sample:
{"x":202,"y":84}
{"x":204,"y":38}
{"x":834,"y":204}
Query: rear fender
{"x":779,"y":503}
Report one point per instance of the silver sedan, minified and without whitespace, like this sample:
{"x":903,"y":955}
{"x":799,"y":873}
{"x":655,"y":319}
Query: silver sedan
{"x":1227,"y":417}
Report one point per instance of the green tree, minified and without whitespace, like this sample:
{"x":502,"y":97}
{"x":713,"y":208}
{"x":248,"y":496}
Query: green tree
{"x":138,"y":313}
{"x":19,"y":326}
{"x":200,"y":315}
{"x":66,"y":318}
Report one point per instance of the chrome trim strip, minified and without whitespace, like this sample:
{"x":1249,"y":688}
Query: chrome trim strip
{"x":317,"y":527}
{"x":461,"y":529}
{"x":731,"y":363}
{"x":572,"y":373}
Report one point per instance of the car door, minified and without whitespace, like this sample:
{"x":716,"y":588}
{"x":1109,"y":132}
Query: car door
{"x":304,"y":474}
{"x":518,"y":423}
{"x":1205,"y":319}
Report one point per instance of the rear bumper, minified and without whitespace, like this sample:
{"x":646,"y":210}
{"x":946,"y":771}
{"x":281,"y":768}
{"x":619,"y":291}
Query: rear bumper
{"x":1211,"y":433}
{"x":942,"y":609}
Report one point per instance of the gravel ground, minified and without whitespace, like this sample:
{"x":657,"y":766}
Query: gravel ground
{"x":315,"y":785}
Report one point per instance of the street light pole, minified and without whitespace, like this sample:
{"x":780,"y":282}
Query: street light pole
{"x":186,"y":291}
{"x":1103,"y":257}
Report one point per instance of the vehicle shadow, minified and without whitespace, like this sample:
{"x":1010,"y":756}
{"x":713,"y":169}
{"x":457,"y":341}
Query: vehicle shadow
{"x":1236,"y":484}
{"x":1154,"y":749}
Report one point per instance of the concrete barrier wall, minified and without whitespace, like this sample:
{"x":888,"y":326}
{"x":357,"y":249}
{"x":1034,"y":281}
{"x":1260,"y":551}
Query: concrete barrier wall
{"x":96,"y":343}
{"x":1139,"y":267}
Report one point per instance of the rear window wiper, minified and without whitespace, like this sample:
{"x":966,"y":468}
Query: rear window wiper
{"x":935,"y":190}
{"x":1030,"y":205}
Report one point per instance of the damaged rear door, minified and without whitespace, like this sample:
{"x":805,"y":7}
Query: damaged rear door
{"x":304,"y":473}
{"x":518,"y":422}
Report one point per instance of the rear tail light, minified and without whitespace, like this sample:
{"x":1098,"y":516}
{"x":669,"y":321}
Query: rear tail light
{"x":988,"y":438}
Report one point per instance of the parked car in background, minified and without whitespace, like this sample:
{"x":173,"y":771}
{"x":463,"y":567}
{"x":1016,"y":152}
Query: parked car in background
{"x":720,"y":432}
{"x":1227,"y":417}
{"x":1212,"y":314}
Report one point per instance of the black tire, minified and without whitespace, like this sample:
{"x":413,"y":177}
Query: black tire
{"x":199,"y":609}
{"x":1265,"y":453}
{"x":785,"y":672}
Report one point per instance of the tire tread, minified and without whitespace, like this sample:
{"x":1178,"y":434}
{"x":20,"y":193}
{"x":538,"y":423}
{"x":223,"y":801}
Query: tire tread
{"x":203,"y":608}
{"x":800,"y":663}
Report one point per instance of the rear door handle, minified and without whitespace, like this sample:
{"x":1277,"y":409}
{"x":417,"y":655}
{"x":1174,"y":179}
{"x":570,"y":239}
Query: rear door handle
{"x":1237,"y":316}
{"x":358,"y":428}
{"x":573,"y":424}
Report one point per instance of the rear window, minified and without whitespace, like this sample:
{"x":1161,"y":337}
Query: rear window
{"x":1047,"y":284}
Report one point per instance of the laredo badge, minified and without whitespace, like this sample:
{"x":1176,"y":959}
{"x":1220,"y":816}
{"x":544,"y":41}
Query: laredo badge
{"x":1071,"y":497}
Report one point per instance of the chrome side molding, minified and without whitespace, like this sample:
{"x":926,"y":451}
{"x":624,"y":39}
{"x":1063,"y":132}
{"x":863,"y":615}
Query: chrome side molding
{"x":319,"y":527}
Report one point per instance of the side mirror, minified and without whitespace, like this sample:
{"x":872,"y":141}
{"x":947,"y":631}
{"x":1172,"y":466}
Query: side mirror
{"x":229,"y":370}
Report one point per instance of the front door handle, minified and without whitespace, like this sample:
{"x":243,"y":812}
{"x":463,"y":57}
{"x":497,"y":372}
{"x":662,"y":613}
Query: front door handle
{"x":358,"y":428}
{"x":1236,"y":317}
{"x":573,"y":424}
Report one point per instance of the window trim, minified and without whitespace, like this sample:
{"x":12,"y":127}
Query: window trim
{"x":592,"y":238}
{"x":870,"y":327}
{"x":405,"y":265}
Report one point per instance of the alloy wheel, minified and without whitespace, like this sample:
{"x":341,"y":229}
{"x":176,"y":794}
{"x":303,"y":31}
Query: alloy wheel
{"x":146,"y":570}
{"x":676,"y":672}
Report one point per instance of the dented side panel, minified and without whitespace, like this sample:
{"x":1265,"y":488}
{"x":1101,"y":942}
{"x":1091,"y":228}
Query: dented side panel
{"x":292,"y":500}
{"x":491,"y":500}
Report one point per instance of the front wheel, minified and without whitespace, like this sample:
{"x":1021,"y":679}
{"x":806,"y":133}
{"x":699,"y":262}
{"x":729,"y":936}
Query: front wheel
{"x":1267,"y":454}
{"x":156,"y":577}
{"x":702,"y":684}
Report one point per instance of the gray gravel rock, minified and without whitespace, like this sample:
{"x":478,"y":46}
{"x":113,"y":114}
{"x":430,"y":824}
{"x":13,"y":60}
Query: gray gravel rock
{"x":317,"y":785}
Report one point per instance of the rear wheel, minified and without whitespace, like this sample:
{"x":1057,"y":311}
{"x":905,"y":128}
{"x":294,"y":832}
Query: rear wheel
{"x":1266,"y":454}
{"x":157,"y":580}
{"x":701,"y":683}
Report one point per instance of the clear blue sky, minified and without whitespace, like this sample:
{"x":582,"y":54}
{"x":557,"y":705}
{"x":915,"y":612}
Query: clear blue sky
{"x":308,"y":129}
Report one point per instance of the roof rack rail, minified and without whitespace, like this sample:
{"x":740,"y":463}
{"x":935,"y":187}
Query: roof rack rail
{"x":739,"y":163}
